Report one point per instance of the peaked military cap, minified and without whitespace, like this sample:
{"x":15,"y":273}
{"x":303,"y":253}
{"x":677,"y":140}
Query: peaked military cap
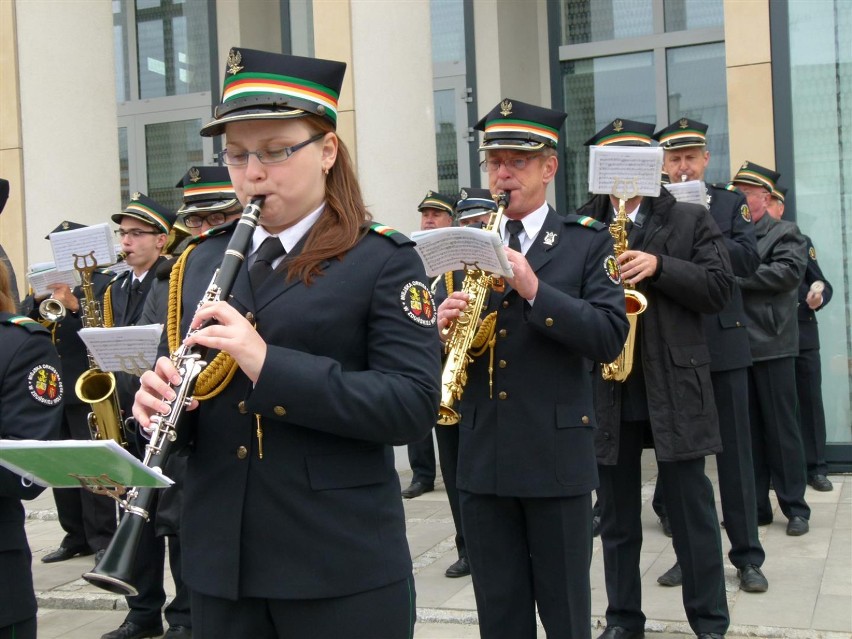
{"x":516,"y":125}
{"x":65,"y":225}
{"x":621,"y":132}
{"x":207,"y":188}
{"x":682,"y":134}
{"x":260,"y":85}
{"x":473,"y":202}
{"x":664,"y":178}
{"x":779,"y":193}
{"x":751,"y":173}
{"x":148,"y":211}
{"x":435,"y":200}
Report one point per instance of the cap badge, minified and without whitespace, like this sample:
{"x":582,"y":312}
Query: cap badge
{"x":136,"y":195}
{"x":428,"y":193}
{"x":234,"y":59}
{"x":618,"y":126}
{"x":463,"y":195}
{"x":550,"y":238}
{"x":194,"y":175}
{"x":65,"y":226}
{"x":745,"y":165}
{"x":683,"y":123}
{"x":505,"y":108}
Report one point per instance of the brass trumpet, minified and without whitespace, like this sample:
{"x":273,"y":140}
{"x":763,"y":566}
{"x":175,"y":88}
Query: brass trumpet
{"x":52,"y":310}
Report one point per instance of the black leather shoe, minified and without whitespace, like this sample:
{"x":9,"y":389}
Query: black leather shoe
{"x":63,"y":554}
{"x":178,"y":632}
{"x":617,"y":632}
{"x":459,"y":569}
{"x":797,"y":526}
{"x":672,"y":577}
{"x":710,"y":635}
{"x":416,"y":488}
{"x":667,"y":527}
{"x":821,"y":483}
{"x":130,"y":630}
{"x":752,"y":579}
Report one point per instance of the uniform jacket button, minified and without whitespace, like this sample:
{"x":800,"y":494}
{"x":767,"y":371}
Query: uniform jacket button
{"x":242,"y":408}
{"x":548,"y":321}
{"x":242,"y":452}
{"x":250,"y":316}
{"x":503,"y":332}
{"x":280,"y":411}
{"x":502,"y":363}
{"x":505,"y":303}
{"x":606,"y":435}
{"x":503,"y":395}
{"x":585,"y":419}
{"x":692,"y":361}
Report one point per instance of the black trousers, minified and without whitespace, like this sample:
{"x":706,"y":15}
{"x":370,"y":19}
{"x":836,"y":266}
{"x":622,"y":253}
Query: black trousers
{"x":689,"y":501}
{"x":776,"y":442}
{"x":87,"y":519}
{"x":21,"y":630}
{"x":735,"y":469}
{"x":388,"y":612}
{"x":448,"y":455}
{"x":421,"y":458}
{"x":525,"y":552}
{"x":811,"y":411}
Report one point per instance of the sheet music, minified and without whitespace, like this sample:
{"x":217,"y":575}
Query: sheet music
{"x":693,"y":192}
{"x":129,"y":349}
{"x":97,"y":238}
{"x":457,"y":247}
{"x":616,"y":170}
{"x":42,"y":278}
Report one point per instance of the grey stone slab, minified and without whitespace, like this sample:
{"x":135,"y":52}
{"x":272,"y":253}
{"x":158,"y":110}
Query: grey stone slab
{"x":833,"y":613}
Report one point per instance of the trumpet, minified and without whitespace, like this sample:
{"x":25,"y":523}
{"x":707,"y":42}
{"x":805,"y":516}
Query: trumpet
{"x":114,"y":571}
{"x":52,"y":309}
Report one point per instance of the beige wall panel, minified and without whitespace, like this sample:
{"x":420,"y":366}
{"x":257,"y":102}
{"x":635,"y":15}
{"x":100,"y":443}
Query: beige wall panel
{"x":395,"y":120}
{"x":333,"y":41}
{"x":746,"y":32}
{"x":750,"y":116}
{"x":10,"y":133}
{"x":488,"y":86}
{"x":346,"y":132}
{"x":519,"y":42}
{"x":68,"y":116}
{"x":227,"y":34}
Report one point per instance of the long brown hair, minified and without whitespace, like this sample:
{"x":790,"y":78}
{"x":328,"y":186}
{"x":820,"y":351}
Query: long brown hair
{"x":7,"y":304}
{"x":343,"y":221}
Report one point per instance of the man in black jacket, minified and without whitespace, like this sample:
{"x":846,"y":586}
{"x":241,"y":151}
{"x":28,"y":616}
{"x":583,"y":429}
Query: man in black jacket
{"x":677,"y":259}
{"x":770,"y":301}
{"x":686,"y":157}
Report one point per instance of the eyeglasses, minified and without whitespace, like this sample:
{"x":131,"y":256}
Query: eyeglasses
{"x":135,"y":233}
{"x":213,"y":219}
{"x":266,"y":156}
{"x":512,"y":164}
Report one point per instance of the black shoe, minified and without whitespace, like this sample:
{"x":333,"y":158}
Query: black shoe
{"x":672,"y":577}
{"x":130,"y":630}
{"x":63,"y":554}
{"x":417,"y":488}
{"x":459,"y":569}
{"x":710,"y":635}
{"x":667,"y":527}
{"x":596,"y":525}
{"x":821,"y":483}
{"x":178,"y":632}
{"x":617,"y":632}
{"x":797,"y":526}
{"x":752,"y":579}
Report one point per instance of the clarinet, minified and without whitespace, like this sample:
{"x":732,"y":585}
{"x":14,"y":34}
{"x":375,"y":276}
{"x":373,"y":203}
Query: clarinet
{"x":114,"y":571}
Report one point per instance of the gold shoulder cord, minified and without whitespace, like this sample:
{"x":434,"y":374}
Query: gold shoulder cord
{"x":217,"y":374}
{"x":108,"y":318}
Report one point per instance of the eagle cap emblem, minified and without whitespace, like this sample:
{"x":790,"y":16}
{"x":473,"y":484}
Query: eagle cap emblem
{"x":745,"y":165}
{"x":136,"y":196}
{"x":234,"y":59}
{"x":505,"y":108}
{"x":65,"y":226}
{"x":618,"y":126}
{"x":683,"y":123}
{"x":463,"y":195}
{"x":194,"y":175}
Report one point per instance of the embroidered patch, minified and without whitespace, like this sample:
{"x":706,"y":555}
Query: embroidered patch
{"x":746,"y":214}
{"x":418,"y":304}
{"x":45,"y":385}
{"x":612,"y":271}
{"x":812,"y":253}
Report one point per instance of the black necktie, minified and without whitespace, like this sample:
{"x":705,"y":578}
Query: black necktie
{"x":515,"y":227}
{"x":135,"y":297}
{"x":269,"y":251}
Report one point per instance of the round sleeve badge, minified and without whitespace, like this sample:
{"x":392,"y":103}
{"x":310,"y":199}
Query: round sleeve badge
{"x":45,"y":385}
{"x":612,"y":271}
{"x":417,"y":303}
{"x":812,"y":253}
{"x":745,"y":213}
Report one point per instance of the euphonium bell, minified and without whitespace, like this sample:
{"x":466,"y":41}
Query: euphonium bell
{"x":52,"y":310}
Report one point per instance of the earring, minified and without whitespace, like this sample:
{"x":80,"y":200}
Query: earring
{"x":325,"y":171}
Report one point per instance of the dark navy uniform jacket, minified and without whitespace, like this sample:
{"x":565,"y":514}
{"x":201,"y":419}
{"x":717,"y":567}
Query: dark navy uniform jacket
{"x":352,"y":368}
{"x":531,"y":435}
{"x":808,"y":329}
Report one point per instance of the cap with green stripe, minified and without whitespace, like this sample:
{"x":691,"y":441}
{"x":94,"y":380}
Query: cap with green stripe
{"x":516,"y":125}
{"x":207,"y":189}
{"x":623,"y":132}
{"x":439,"y":201}
{"x":682,"y":134}
{"x":146,"y":210}
{"x":751,"y":173}
{"x":260,"y":85}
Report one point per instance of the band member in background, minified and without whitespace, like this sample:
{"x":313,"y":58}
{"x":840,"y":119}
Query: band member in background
{"x":770,"y":297}
{"x":474,"y":206}
{"x":686,"y":157}
{"x":677,"y":259}
{"x":31,"y":393}
{"x":293,"y":457}
{"x":526,"y":465}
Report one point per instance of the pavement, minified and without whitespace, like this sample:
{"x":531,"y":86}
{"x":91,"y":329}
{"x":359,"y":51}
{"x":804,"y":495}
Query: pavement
{"x":809,"y":597}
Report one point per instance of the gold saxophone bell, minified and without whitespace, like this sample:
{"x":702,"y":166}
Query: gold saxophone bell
{"x":52,"y":310}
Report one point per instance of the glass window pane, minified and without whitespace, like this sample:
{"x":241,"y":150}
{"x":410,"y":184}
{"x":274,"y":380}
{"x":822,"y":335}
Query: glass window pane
{"x":170,"y":148}
{"x":595,"y":91}
{"x":122,"y":64}
{"x":447,"y":30}
{"x":123,"y":166}
{"x":821,"y":84}
{"x":693,"y":14}
{"x":596,"y":20}
{"x":698,"y":90}
{"x":445,"y":140}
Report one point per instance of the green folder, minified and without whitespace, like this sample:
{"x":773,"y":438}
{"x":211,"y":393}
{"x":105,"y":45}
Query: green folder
{"x":70,"y":463}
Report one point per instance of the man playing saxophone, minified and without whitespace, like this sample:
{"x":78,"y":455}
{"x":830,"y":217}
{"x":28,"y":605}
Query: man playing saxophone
{"x":526,"y":465}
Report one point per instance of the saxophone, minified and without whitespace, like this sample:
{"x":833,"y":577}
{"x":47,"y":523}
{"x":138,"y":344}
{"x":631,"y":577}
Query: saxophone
{"x":460,"y":333}
{"x":95,"y":387}
{"x":635,"y":303}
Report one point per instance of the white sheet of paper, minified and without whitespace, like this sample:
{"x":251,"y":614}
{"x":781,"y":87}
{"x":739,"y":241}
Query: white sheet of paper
{"x":81,"y":242}
{"x":130,"y":349}
{"x":455,"y":248}
{"x":693,"y":192}
{"x":40,"y":280}
{"x":625,"y":170}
